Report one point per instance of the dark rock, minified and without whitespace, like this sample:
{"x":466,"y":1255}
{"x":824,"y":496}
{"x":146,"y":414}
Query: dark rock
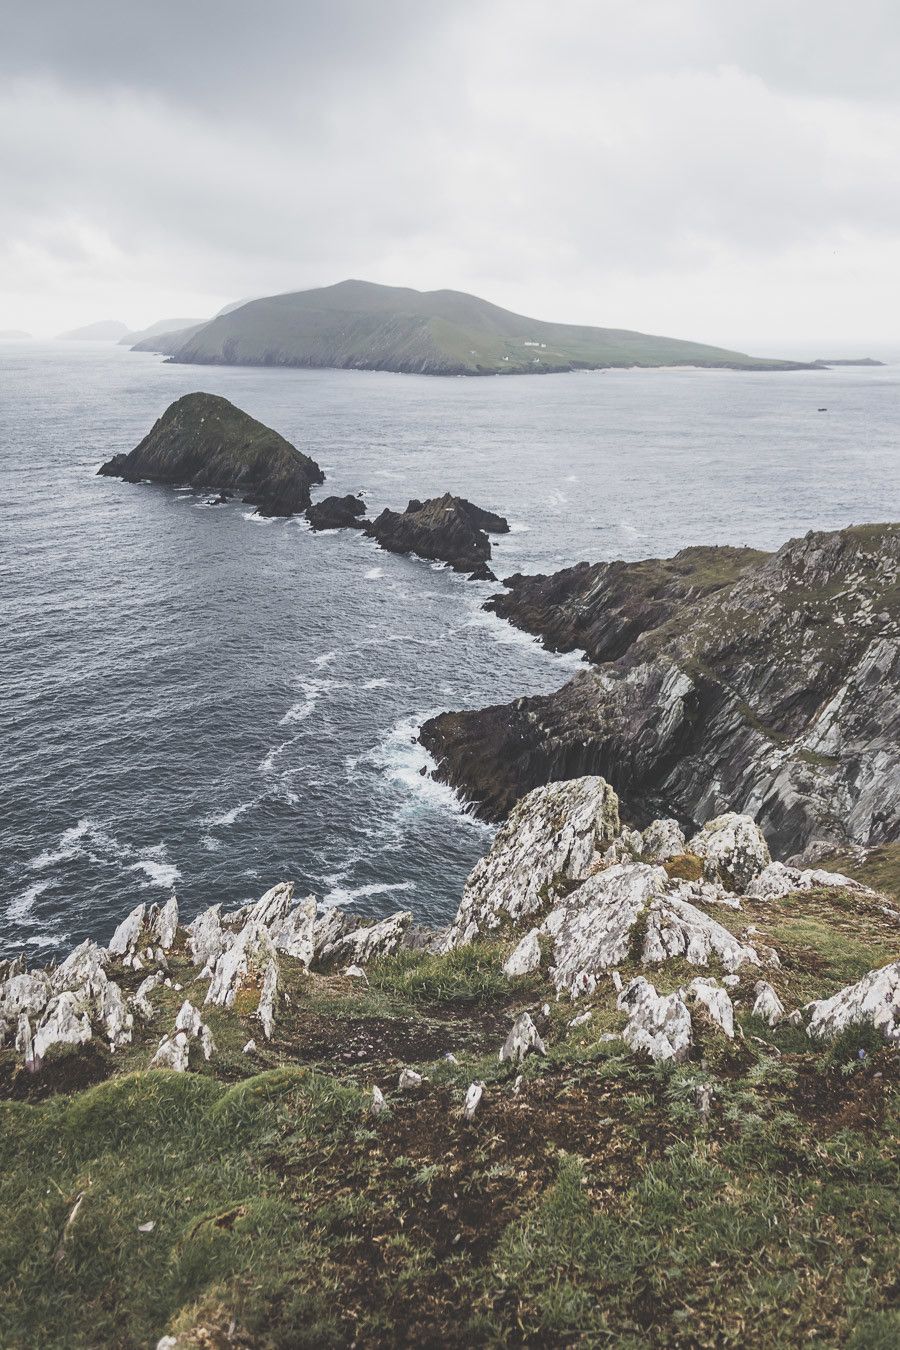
{"x":204,"y":441}
{"x":446,"y":529}
{"x":337,"y":513}
{"x":768,"y":684}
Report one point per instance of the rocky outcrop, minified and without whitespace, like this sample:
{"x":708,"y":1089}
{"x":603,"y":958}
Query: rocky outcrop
{"x":203,"y":441}
{"x":873,"y":1001}
{"x":551,"y":836}
{"x":445,"y":529}
{"x":337,"y":513}
{"x":765,"y":684}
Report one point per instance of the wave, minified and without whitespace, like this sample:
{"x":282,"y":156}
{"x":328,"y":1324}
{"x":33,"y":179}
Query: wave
{"x":404,"y":761}
{"x":519,"y":527}
{"x":211,"y":843}
{"x":20,"y":907}
{"x":325,"y":659}
{"x":342,"y":895}
{"x":157,"y":873}
{"x":230,"y":816}
{"x":374,"y":573}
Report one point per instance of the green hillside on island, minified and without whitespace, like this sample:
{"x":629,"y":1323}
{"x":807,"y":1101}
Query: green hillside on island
{"x":362,"y":326}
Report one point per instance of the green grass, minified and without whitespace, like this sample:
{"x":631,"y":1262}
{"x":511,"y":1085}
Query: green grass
{"x":470,"y":974}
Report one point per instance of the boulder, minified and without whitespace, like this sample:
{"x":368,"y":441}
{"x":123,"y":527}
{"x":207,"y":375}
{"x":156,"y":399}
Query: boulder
{"x":368,"y":941}
{"x":733,"y":849}
{"x":337,"y":513}
{"x":163,"y":925}
{"x":129,"y":935}
{"x":715,"y":1002}
{"x":552,"y":835}
{"x":661,"y":840}
{"x":767,"y":1004}
{"x":777,"y":880}
{"x":872,"y":1001}
{"x":244,"y":962}
{"x":525,"y":957}
{"x":522,"y":1039}
{"x":659,"y":1025}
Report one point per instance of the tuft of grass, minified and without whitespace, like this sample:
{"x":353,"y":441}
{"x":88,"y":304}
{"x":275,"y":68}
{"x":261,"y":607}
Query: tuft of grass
{"x":470,"y":974}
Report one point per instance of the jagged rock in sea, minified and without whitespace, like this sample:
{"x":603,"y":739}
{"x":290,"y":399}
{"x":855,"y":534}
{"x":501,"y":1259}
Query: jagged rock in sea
{"x":445,"y":529}
{"x":203,"y":441}
{"x":725,"y":679}
{"x":337,"y":513}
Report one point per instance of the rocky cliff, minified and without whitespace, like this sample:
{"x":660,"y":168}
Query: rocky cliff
{"x":769,"y":683}
{"x":204,"y":441}
{"x":645,"y":1087}
{"x":446,"y":529}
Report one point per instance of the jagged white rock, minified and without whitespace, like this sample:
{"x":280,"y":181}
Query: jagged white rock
{"x":378,"y":1102}
{"x":873,"y":1000}
{"x":294,"y":935}
{"x":164,"y":927}
{"x":25,"y":1040}
{"x":552,"y":832}
{"x":207,"y":939}
{"x":627,"y":848}
{"x":140,"y":998}
{"x":473,"y":1096}
{"x":777,"y":880}
{"x":126,"y":939}
{"x":246,"y":958}
{"x":409,"y":1079}
{"x":29,"y":993}
{"x":600,"y":919}
{"x":173,"y":1053}
{"x":65,"y":1022}
{"x":356,"y":973}
{"x":271,"y":909}
{"x":659,"y":1025}
{"x":715,"y":1001}
{"x":733,"y":849}
{"x":525,"y":957}
{"x":523,"y":1037}
{"x":363,"y":944}
{"x":662,"y":840}
{"x":268,"y":994}
{"x":767,"y":1005}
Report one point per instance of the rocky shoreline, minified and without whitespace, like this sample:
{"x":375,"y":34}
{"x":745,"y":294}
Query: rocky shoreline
{"x":721,"y":677}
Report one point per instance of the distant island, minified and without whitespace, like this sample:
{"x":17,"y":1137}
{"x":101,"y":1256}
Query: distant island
{"x":155,"y":330}
{"x":359,"y":325}
{"x":105,"y":330}
{"x":13,"y":334}
{"x":848,"y":361}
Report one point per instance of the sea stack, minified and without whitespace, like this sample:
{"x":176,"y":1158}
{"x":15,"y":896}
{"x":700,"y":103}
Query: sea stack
{"x":446,"y":529}
{"x":337,"y":513}
{"x":204,"y":441}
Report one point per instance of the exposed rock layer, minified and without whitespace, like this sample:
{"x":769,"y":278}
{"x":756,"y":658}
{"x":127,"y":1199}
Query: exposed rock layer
{"x":770,"y":684}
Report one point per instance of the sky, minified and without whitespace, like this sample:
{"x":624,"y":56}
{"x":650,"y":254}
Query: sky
{"x":714,"y":170}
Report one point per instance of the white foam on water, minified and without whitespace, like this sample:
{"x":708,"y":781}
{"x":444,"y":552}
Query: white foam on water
{"x":519,"y":527}
{"x":211,"y":843}
{"x":258,"y":519}
{"x":382,"y":683}
{"x":20,"y":907}
{"x":630,"y":530}
{"x":73,"y":843}
{"x":325,"y":659}
{"x":230,"y":816}
{"x":341,"y":895}
{"x":374,"y":573}
{"x":267,"y":765}
{"x":401,"y":759}
{"x":42,"y":940}
{"x":157,"y":873}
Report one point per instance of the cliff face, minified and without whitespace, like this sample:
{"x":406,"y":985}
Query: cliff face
{"x":204,"y":441}
{"x":770,"y":683}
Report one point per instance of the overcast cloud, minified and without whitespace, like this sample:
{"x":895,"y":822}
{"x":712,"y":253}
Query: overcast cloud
{"x":708,"y":169}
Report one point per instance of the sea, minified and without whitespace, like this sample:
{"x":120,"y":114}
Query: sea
{"x":196,"y":699}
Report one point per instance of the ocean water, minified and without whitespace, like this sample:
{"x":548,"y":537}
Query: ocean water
{"x":196,"y":698}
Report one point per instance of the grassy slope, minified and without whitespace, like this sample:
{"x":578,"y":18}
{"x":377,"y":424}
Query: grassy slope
{"x":357,"y":324}
{"x":595,"y":1205}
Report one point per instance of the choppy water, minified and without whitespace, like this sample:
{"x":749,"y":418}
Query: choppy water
{"x":195,"y":697}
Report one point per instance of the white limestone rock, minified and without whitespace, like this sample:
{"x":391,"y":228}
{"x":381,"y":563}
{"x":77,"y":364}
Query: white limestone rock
{"x":714,"y":1000}
{"x":873,"y":1000}
{"x":243,"y":962}
{"x":140,"y":999}
{"x":65,"y":1022}
{"x":271,"y":909}
{"x":379,"y":1104}
{"x":522,"y":1039}
{"x":25,"y":1041}
{"x":127,"y":937}
{"x":599,"y":920}
{"x":627,"y":848}
{"x":207,"y":939}
{"x":733,"y":849}
{"x":173,"y":1053}
{"x":365,"y":943}
{"x":662,"y":840}
{"x":525,"y":957}
{"x":767,"y":1004}
{"x":267,"y":999}
{"x":164,"y":925}
{"x":85,"y":964}
{"x":409,"y":1079}
{"x":29,"y":993}
{"x":778,"y":880}
{"x":474,"y":1093}
{"x":659,"y":1025}
{"x":294,"y":935}
{"x":552,"y":832}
